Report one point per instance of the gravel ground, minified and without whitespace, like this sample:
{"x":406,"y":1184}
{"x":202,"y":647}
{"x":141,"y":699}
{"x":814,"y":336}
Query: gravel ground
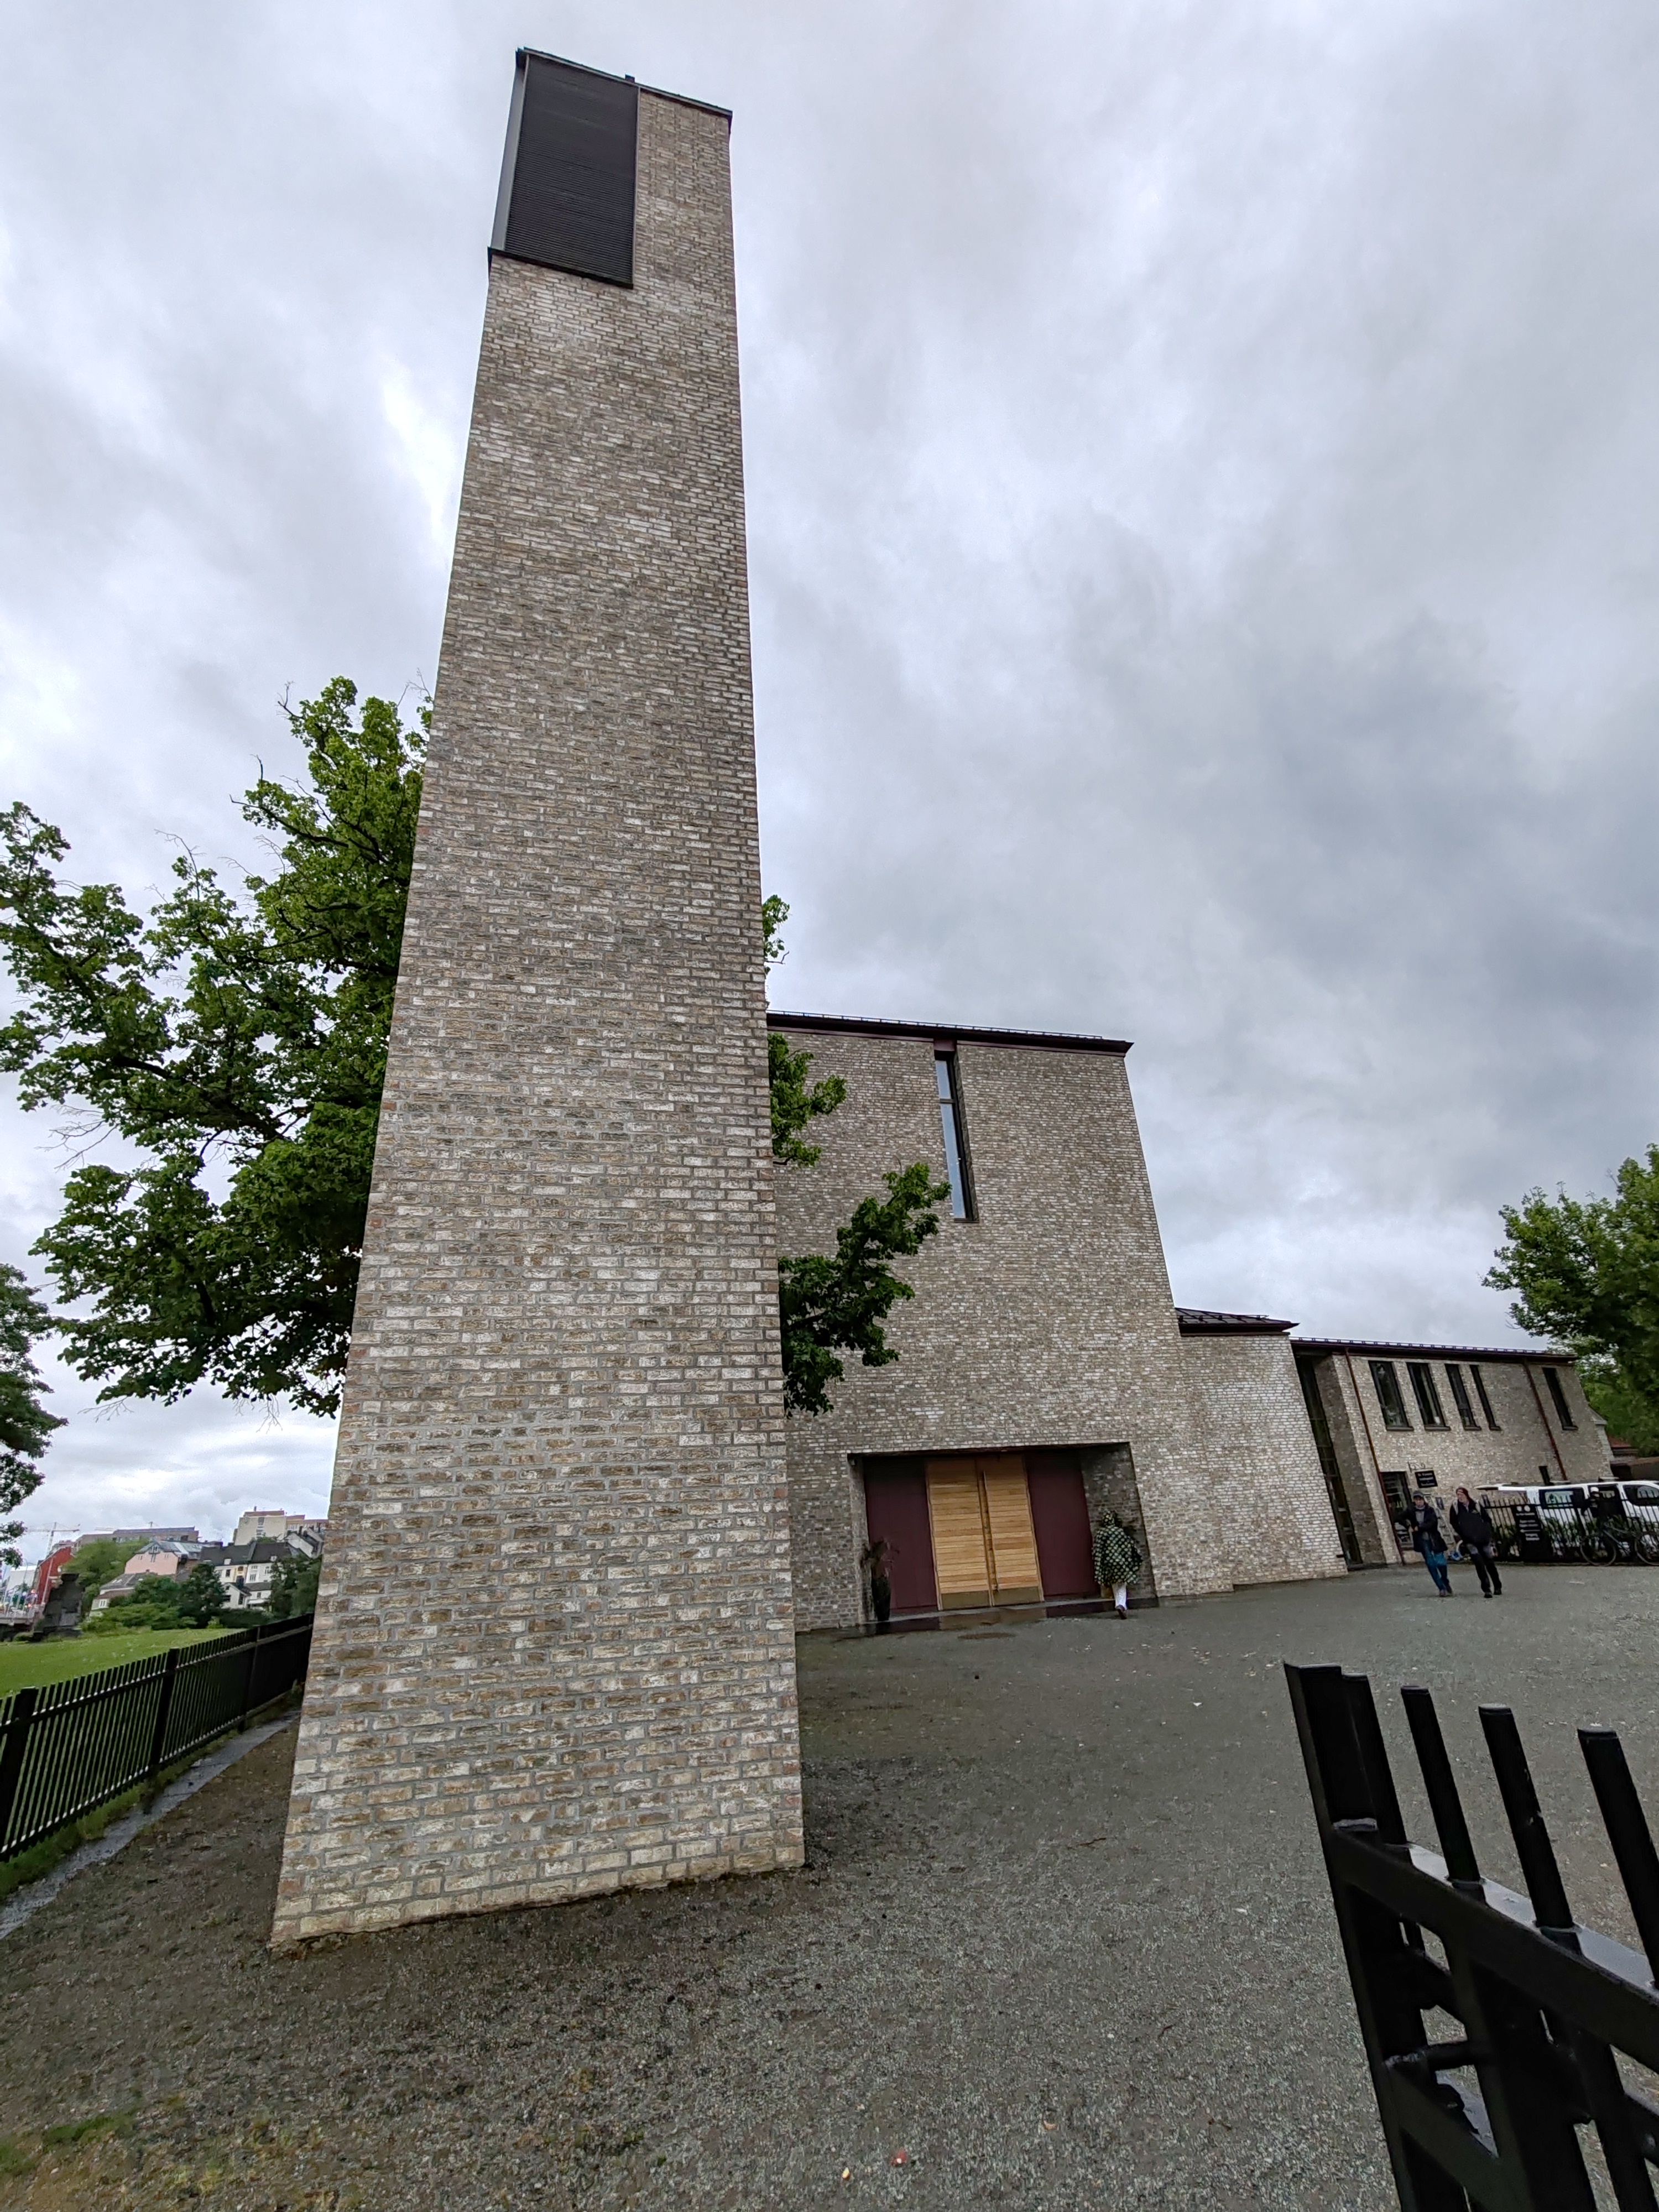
{"x":1063,"y":1940}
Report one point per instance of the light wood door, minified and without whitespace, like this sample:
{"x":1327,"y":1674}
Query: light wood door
{"x":961,"y":1563}
{"x":1015,"y":1574}
{"x":984,"y":1545}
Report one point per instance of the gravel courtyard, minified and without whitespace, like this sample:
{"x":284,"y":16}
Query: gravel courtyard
{"x":1063,"y":1939}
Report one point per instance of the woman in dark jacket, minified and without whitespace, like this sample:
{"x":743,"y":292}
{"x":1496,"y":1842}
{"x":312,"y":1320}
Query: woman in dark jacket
{"x":1473,"y":1526}
{"x":1430,"y":1539}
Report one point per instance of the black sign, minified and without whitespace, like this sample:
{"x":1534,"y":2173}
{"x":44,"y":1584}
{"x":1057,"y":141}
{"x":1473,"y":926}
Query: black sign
{"x":1530,"y":1538}
{"x":1426,"y":1480}
{"x":567,"y":197}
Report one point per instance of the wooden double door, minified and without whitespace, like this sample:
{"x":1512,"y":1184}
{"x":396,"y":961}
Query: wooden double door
{"x":979,"y":1513}
{"x":991,"y":1528}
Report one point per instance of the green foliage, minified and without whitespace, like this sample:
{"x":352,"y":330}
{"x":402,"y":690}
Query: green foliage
{"x":99,"y":1562}
{"x":24,"y":1424}
{"x":795,"y":1102}
{"x":1586,"y":1272}
{"x":774,"y":912}
{"x":294,"y":1589}
{"x":198,"y":1600}
{"x":236,"y":1042}
{"x":119,"y":1617}
{"x":838,"y":1302}
{"x":202,"y":1600}
{"x":831,"y":1303}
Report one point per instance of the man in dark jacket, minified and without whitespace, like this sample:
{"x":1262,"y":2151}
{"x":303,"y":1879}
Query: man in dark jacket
{"x":1431,"y":1540}
{"x":1473,"y":1526}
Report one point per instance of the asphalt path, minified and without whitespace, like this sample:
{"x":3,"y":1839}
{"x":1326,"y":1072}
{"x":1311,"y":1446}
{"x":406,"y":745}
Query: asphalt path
{"x":1063,"y":1939}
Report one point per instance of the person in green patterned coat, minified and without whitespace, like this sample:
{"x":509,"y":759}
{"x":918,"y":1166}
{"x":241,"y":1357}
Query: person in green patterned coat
{"x":1117,"y":1561}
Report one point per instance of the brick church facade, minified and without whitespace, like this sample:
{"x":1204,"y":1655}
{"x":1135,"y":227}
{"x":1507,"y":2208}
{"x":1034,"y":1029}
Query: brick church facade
{"x":1044,"y":1373}
{"x":573,"y":1536}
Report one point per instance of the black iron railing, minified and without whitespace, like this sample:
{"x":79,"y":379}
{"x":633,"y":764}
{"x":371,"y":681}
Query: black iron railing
{"x":1606,"y":1538}
{"x":1491,"y":2117}
{"x":70,"y":1747}
{"x":1558,"y":1535}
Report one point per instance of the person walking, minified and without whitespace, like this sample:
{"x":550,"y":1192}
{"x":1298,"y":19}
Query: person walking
{"x":1473,"y":1525}
{"x":1431,"y":1540}
{"x":1117,"y":1562}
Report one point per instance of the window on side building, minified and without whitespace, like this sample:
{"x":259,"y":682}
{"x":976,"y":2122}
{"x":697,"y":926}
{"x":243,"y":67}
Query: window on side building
{"x":1460,"y":1390}
{"x":1480,"y":1383}
{"x":955,"y":1143}
{"x":1395,"y":1415}
{"x":1427,"y":1397}
{"x":1563,"y":1411}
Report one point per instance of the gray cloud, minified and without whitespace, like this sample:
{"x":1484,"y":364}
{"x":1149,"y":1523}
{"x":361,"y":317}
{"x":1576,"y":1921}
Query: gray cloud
{"x":1202,"y":472}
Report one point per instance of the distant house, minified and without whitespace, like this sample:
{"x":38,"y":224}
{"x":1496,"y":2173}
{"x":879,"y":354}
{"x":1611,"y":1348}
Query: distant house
{"x":172,"y":1558}
{"x":267,"y":1523}
{"x":247,"y":1571}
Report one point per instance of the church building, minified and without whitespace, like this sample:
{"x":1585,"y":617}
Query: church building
{"x":1044,"y":1373}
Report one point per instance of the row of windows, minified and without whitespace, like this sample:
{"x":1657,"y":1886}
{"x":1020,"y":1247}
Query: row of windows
{"x":1430,"y":1411}
{"x":1426,"y":1392}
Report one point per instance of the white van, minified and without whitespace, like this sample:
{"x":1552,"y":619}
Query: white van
{"x":1583,"y":1520}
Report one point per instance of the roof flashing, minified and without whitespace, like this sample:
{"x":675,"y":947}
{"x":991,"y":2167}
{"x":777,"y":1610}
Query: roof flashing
{"x":948,"y":1034}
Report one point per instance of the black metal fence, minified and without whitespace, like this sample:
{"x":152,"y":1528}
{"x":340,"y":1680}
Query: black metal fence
{"x":1491,"y":2119}
{"x":69,"y":1747}
{"x":1607,"y":1538}
{"x":1558,"y":1535}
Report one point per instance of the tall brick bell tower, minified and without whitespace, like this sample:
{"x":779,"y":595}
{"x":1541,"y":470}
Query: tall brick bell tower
{"x":554,"y":1648}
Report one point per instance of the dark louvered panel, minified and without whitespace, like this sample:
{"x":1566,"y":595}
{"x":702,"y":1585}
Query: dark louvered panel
{"x":567,"y":186}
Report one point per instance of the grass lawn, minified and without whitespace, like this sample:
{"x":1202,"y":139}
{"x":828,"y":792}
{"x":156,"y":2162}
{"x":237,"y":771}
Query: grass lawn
{"x":60,"y":1656}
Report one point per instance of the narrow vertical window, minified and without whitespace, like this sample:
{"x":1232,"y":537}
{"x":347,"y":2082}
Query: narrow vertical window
{"x":1427,"y":1397}
{"x":1388,"y":1395}
{"x":1563,"y":1411}
{"x":956,"y":1149}
{"x":1460,"y":1390}
{"x":1480,"y":1383}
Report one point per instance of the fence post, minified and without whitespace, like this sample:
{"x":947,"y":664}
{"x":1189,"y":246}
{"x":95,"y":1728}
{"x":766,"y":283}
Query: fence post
{"x":248,"y":1672}
{"x":163,"y":1711}
{"x":11,"y":1756}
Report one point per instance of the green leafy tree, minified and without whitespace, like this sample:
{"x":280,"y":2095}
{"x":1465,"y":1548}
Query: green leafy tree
{"x":202,"y":1600}
{"x":99,"y":1562}
{"x":831,"y":1303}
{"x":293,"y":1588}
{"x":25,"y":1423}
{"x":152,"y":1602}
{"x":1586,"y":1273}
{"x":796,"y":1102}
{"x":839,"y":1302}
{"x":195,"y":1600}
{"x":237,"y":1044}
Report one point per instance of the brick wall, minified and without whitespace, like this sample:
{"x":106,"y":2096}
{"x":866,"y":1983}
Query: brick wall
{"x":1275,"y":1509}
{"x":1046,"y":1321}
{"x":555,"y":1645}
{"x":1529,"y":1436}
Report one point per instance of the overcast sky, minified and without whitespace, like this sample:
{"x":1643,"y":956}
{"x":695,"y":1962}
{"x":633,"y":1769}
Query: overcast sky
{"x":1203,"y":479}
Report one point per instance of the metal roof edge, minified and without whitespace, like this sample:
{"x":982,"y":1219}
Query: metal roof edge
{"x":1202,"y":1321}
{"x":944,"y":1033}
{"x":681,"y":99}
{"x":1545,"y":1355}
